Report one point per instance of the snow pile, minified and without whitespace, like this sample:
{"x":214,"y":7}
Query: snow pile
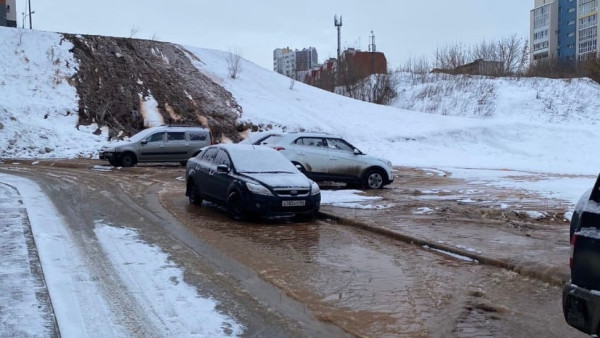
{"x":526,"y":99}
{"x":38,"y":107}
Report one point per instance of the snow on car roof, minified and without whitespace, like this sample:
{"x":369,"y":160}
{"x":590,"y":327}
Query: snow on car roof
{"x":252,"y":158}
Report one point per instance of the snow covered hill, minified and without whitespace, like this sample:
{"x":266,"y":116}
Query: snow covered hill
{"x":536,"y":125}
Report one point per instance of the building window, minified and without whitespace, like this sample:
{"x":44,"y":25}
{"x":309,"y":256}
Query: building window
{"x":541,"y":16}
{"x":587,"y":47}
{"x":7,"y":8}
{"x":540,"y":45}
{"x":571,"y":22}
{"x":571,"y":34}
{"x":588,"y":34}
{"x":540,"y":35}
{"x":588,"y":21}
{"x":587,"y":7}
{"x":540,"y":56}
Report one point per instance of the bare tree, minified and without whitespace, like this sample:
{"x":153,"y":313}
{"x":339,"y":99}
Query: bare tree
{"x":133,"y":32}
{"x":514,"y":53}
{"x":234,"y":66}
{"x":451,"y":56}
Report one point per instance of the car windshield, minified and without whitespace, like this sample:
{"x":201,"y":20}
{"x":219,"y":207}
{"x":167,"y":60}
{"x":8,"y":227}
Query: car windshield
{"x":271,"y":139}
{"x":259,"y":160}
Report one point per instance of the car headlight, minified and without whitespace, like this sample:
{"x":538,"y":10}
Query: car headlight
{"x":258,"y":189}
{"x":314,"y":188}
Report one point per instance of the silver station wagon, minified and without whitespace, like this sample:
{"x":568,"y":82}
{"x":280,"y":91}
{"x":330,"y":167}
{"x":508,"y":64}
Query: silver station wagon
{"x":157,"y":144}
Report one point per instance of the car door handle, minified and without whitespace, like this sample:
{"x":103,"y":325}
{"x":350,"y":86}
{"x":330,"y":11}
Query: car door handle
{"x":301,"y":153}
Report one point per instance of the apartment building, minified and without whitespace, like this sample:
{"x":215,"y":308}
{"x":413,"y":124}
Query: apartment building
{"x":543,"y":30}
{"x":284,"y":61}
{"x":8,"y":13}
{"x":587,"y":29}
{"x":307,"y":59}
{"x":288,"y":62}
{"x":566,"y":30}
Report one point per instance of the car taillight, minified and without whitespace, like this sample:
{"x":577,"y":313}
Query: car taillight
{"x":279,"y":148}
{"x":573,"y":240}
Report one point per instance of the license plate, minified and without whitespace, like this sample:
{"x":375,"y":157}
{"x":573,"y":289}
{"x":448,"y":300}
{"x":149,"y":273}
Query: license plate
{"x":300,"y":203}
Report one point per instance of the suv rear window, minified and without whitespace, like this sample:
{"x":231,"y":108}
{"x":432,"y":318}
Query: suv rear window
{"x":176,"y":136}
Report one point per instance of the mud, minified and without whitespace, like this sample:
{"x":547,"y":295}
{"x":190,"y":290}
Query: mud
{"x":365,"y":284}
{"x":116,"y":75}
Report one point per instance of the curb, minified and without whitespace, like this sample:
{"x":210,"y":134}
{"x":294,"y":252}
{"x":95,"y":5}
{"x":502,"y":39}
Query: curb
{"x":546,"y":273}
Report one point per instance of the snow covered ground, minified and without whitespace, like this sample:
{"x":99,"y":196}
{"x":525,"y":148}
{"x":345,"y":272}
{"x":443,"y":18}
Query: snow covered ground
{"x":537,"y":128}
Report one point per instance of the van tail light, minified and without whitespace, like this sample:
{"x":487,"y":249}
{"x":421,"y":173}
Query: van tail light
{"x":573,"y":240}
{"x":279,"y":148}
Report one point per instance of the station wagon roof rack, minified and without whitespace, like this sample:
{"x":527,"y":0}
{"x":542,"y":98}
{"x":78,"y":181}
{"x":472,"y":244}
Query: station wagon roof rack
{"x":182,"y":125}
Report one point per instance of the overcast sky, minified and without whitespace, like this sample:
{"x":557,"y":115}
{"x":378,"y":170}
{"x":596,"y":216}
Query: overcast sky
{"x":403,"y":29}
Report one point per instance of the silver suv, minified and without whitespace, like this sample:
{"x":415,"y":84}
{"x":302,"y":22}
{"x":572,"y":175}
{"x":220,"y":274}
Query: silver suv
{"x":325,"y":157}
{"x":157,"y":144}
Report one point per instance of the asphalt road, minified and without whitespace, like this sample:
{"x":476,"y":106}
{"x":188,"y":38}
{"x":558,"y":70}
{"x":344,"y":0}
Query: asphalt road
{"x":288,"y":279}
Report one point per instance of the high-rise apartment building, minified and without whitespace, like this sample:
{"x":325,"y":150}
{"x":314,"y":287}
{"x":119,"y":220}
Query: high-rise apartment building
{"x":284,"y":61}
{"x":566,"y":30}
{"x":8,"y":13}
{"x":306,"y":59}
{"x":288,"y":62}
{"x":587,"y":29}
{"x":543,"y":30}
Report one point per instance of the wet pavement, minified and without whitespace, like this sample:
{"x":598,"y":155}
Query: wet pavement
{"x":470,"y":220}
{"x":361,"y":279}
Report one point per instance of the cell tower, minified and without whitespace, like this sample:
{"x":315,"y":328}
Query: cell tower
{"x":338,"y":24}
{"x":372,"y":47}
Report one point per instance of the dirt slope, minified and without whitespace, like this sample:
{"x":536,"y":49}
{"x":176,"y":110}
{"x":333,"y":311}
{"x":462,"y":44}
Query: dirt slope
{"x":116,"y":74}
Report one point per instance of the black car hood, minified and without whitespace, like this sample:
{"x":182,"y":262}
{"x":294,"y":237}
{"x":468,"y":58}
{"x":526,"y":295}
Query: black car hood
{"x":281,"y":180}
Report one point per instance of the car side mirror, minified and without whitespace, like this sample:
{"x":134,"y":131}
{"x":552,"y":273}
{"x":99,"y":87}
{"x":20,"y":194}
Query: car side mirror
{"x":222,"y":169}
{"x":144,"y":141}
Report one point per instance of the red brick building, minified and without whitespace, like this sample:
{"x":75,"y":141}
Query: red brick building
{"x":364,"y":64}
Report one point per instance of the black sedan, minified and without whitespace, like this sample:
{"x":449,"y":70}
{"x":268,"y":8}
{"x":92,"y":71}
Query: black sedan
{"x":250,"y":180}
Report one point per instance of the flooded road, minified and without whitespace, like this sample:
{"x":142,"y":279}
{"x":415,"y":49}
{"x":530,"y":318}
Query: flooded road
{"x":315,"y":278}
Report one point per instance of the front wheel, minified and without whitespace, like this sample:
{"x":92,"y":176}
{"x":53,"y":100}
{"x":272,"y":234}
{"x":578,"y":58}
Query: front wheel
{"x":235,"y":206}
{"x":373,"y":179}
{"x":193,"y":196}
{"x":127,"y":160}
